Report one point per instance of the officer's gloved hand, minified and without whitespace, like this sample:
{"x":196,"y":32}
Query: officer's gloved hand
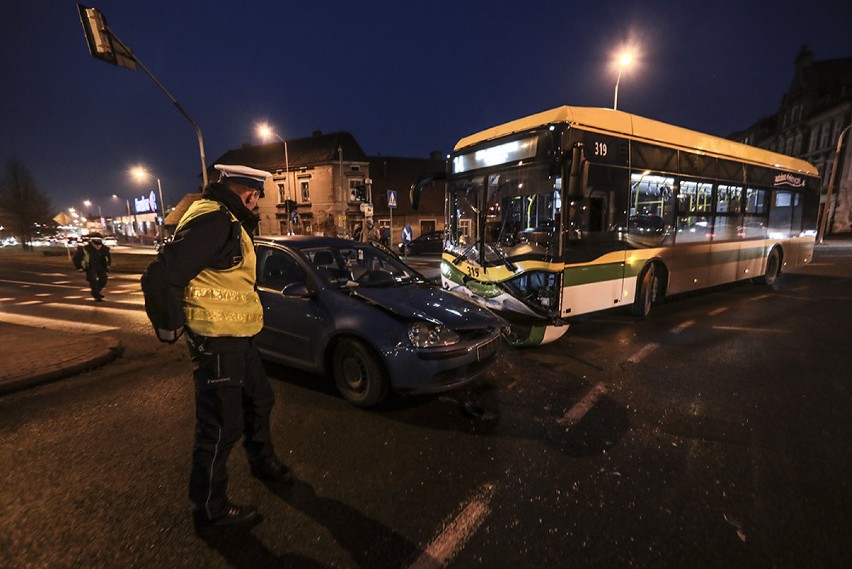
{"x":169,"y":336}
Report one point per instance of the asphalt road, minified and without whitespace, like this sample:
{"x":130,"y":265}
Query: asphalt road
{"x":715,"y":433}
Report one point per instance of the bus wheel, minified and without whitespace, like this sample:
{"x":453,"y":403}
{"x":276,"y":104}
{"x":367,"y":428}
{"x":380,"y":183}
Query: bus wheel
{"x":358,"y":373}
{"x":773,"y":268}
{"x":647,"y":288}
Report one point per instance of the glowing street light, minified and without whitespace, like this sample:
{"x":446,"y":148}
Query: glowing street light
{"x":266,"y":132}
{"x":624,"y":60}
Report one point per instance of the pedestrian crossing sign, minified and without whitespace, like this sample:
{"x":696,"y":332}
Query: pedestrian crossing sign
{"x":392,"y":198}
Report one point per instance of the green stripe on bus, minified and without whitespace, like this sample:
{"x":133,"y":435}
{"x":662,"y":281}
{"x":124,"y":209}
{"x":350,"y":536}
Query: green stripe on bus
{"x":574,"y":276}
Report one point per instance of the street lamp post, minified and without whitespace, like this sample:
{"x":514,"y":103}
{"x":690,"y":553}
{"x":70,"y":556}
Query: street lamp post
{"x":265,"y":132}
{"x":624,"y":60}
{"x":88,"y":204}
{"x":823,"y":226}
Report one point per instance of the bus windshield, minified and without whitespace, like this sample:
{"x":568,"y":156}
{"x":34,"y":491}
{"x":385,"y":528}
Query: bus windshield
{"x":500,"y":214}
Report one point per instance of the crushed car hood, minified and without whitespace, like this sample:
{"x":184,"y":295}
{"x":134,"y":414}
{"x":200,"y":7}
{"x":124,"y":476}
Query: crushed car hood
{"x":430,"y":303}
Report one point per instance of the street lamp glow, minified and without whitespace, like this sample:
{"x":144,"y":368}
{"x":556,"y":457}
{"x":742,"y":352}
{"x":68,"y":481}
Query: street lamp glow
{"x":265,"y":131}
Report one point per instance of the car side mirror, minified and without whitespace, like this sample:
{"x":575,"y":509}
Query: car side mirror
{"x":297,"y":289}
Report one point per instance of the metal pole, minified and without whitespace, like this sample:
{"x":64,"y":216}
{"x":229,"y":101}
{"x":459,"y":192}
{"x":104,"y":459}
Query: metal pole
{"x":615,"y":102}
{"x":162,"y":229}
{"x":173,"y":100}
{"x":290,"y":189}
{"x":823,"y":226}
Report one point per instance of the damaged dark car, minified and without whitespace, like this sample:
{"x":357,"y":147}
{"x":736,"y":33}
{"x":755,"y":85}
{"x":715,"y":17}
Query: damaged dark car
{"x":353,"y":312}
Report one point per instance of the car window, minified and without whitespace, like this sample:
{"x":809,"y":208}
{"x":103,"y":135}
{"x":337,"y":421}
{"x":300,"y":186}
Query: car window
{"x":277,"y":269}
{"x":365,"y":265}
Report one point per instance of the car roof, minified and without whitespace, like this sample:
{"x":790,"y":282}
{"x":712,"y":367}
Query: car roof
{"x":305,"y":241}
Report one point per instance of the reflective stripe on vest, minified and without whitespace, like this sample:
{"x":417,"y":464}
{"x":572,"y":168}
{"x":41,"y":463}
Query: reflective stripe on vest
{"x":223,"y":302}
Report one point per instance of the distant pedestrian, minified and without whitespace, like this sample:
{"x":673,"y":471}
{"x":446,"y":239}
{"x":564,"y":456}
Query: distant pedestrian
{"x":373,"y":233}
{"x":386,"y":236}
{"x":94,"y":258}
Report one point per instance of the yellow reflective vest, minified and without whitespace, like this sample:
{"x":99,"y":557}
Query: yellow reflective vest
{"x":223,"y":302}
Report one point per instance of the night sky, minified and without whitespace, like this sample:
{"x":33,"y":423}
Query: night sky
{"x":406,"y":78}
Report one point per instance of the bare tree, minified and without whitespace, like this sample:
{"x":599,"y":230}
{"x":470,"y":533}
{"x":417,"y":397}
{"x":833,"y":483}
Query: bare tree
{"x":21,"y":202}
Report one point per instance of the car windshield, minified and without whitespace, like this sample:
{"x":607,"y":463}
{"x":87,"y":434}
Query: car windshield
{"x":359,"y":264}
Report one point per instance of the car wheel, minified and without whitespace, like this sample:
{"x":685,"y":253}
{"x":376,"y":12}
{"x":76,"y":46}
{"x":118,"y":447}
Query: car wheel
{"x":358,"y":373}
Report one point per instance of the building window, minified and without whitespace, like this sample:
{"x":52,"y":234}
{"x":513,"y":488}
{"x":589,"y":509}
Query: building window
{"x":355,"y":167}
{"x":282,"y":193}
{"x":823,"y":136}
{"x":305,"y":187}
{"x":812,"y":144}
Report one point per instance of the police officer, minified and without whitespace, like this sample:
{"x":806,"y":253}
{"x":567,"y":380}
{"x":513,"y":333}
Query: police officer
{"x":94,"y":258}
{"x":211,"y":260}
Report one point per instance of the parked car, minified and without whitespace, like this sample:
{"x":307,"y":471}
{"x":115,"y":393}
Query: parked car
{"x":357,"y":313}
{"x":431,"y":243}
{"x":110,"y":240}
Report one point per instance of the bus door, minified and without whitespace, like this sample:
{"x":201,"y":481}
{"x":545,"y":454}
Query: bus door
{"x":727,"y":241}
{"x":594,"y":248}
{"x":690,"y":260}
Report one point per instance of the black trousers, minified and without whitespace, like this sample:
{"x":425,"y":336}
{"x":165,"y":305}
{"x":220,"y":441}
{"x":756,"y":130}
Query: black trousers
{"x":233,"y":399}
{"x":97,"y":281}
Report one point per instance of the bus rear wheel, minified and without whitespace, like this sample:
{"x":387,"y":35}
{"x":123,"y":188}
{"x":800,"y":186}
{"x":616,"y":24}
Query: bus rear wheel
{"x":773,"y":268}
{"x":647,"y":291}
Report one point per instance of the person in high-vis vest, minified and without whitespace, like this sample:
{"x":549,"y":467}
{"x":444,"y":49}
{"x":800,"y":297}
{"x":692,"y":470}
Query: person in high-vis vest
{"x":211,"y":259}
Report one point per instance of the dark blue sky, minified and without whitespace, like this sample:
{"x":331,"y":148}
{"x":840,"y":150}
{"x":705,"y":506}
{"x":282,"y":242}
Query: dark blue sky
{"x":406,"y":78}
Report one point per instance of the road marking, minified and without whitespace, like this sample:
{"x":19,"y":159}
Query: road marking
{"x":27,"y":284}
{"x":52,"y":324}
{"x":680,"y":328}
{"x":576,"y":413}
{"x":643,"y":353}
{"x":27,"y":302}
{"x":44,"y":294}
{"x":761,"y":297}
{"x":742,"y":329}
{"x":718,"y":311}
{"x":450,"y":541}
{"x":100,"y":307}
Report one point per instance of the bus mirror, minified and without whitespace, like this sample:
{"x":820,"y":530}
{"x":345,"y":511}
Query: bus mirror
{"x":578,"y":172}
{"x":417,"y":187}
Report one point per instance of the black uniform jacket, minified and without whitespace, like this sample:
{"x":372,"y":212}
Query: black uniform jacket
{"x":208,"y":241}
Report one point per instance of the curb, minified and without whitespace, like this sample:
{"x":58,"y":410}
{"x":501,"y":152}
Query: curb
{"x":112,"y":350}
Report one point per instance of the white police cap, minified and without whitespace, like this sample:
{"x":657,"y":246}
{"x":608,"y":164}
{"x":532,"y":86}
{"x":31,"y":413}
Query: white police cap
{"x":244,"y":175}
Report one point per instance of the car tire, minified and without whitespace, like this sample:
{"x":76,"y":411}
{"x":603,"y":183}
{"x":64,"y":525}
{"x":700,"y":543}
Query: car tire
{"x":358,"y":373}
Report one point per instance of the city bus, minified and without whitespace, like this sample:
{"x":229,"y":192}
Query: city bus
{"x":577,"y":210}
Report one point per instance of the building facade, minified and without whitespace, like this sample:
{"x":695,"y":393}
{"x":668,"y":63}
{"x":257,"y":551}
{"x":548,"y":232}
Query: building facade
{"x":324,"y":182}
{"x":812,"y":123}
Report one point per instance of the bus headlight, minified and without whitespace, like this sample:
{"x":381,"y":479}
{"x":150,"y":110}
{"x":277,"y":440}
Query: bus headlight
{"x":427,"y":335}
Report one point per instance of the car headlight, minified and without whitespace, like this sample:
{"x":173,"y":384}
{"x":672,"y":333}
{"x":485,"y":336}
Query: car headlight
{"x":426,"y":335}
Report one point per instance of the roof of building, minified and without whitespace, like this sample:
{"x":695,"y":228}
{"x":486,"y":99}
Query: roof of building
{"x":310,"y":151}
{"x":177,"y":213}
